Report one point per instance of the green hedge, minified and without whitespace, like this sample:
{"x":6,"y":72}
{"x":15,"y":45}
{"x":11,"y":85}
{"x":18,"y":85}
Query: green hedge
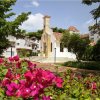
{"x":24,"y":52}
{"x":83,"y":65}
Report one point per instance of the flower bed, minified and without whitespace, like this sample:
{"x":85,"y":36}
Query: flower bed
{"x":22,"y":80}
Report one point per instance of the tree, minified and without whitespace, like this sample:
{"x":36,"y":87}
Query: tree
{"x":9,"y":27}
{"x":37,"y":34}
{"x":65,"y":38}
{"x":75,"y":44}
{"x":96,"y":51}
{"x":96,"y":15}
{"x":88,"y":54}
{"x":94,"y":12}
{"x":60,"y":30}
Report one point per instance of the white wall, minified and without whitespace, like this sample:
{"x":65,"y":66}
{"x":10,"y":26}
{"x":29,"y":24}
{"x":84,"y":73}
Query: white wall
{"x":19,"y":43}
{"x":22,"y":43}
{"x":7,"y":52}
{"x":56,"y":45}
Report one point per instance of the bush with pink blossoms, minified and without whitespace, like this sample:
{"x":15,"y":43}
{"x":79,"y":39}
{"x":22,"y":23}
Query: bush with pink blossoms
{"x":22,"y":80}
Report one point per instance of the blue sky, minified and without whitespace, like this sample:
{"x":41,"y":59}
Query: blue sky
{"x":64,"y":13}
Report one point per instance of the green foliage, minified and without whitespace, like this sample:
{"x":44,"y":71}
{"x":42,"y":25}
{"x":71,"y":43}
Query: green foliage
{"x":37,"y":34}
{"x":95,"y":12}
{"x":34,"y":54}
{"x":75,"y":44}
{"x":2,"y":72}
{"x":96,"y":51}
{"x":24,"y":52}
{"x":66,"y":38}
{"x":96,"y":15}
{"x":9,"y":27}
{"x":76,"y":86}
{"x":60,"y":30}
{"x":91,"y":65}
{"x":88,"y":54}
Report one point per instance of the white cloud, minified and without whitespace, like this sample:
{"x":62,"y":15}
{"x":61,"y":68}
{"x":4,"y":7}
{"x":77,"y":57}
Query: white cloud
{"x":35,"y":3}
{"x":34,"y":23}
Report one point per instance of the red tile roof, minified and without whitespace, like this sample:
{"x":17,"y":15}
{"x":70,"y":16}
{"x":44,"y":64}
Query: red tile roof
{"x":57,"y":35}
{"x":72,"y":28}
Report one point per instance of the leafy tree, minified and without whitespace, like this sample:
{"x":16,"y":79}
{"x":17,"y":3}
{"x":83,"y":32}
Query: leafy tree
{"x":75,"y":44}
{"x":66,"y":38}
{"x":96,"y":51}
{"x":9,"y":27}
{"x":88,"y":54}
{"x":96,"y":15}
{"x":94,"y":12}
{"x":37,"y":34}
{"x":60,"y":30}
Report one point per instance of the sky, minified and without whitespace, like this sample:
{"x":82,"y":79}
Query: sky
{"x":64,"y":13}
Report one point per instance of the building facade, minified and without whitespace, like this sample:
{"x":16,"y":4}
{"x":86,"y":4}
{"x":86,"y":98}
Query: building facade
{"x":51,"y":45}
{"x":19,"y":43}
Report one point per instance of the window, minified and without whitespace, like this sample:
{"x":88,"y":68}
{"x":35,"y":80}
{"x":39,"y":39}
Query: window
{"x":29,"y":45}
{"x":51,"y":47}
{"x":17,"y":43}
{"x":61,"y":47}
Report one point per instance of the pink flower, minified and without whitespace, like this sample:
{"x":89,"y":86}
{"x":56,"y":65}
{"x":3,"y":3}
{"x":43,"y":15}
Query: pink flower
{"x":17,"y":76}
{"x":35,"y":92}
{"x":58,"y":82}
{"x":5,"y":81}
{"x":18,"y":93}
{"x":16,"y":58}
{"x":11,"y":59}
{"x":47,"y":75}
{"x":93,"y":86}
{"x":25,"y":92}
{"x":18,"y":65}
{"x":1,"y":60}
{"x":28,"y":75}
{"x":9,"y":74}
{"x":31,"y":65}
{"x":11,"y":89}
{"x":46,"y":98}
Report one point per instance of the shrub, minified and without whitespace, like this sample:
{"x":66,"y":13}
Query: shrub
{"x":21,"y":79}
{"x":77,"y":86}
{"x":24,"y":52}
{"x":91,"y":65}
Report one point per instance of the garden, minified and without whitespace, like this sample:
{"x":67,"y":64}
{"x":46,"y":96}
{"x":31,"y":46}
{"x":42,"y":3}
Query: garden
{"x":23,"y":80}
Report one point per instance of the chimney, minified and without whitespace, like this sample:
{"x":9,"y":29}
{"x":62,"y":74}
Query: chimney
{"x":46,"y":23}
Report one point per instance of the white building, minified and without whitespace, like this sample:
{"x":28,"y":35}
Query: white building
{"x":50,"y":43}
{"x":23,"y":43}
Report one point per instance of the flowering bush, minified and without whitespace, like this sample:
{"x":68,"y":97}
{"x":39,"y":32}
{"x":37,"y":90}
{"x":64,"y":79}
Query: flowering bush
{"x":77,"y":86}
{"x":21,"y":79}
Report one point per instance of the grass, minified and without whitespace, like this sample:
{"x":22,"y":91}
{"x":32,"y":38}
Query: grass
{"x":83,"y":65}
